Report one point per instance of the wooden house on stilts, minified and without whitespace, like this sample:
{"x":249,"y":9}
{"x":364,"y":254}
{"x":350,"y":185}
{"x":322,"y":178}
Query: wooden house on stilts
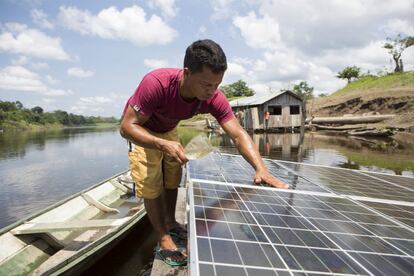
{"x":286,"y":112}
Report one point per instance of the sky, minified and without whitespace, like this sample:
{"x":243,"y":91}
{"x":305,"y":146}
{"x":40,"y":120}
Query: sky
{"x":87,"y":57}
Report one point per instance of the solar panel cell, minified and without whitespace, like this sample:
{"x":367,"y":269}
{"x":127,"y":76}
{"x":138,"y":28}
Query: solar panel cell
{"x":242,"y":229}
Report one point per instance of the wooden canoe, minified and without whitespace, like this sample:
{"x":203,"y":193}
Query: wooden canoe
{"x":70,"y":233}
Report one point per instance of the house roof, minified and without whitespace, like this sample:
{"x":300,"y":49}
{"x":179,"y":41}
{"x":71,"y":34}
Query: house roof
{"x":254,"y":100}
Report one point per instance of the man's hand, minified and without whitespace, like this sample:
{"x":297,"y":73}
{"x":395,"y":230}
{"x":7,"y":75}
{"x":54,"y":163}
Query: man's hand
{"x":173,"y":149}
{"x":266,"y":178}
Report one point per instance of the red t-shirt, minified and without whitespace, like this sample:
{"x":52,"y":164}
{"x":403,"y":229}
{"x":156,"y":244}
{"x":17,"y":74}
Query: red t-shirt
{"x":158,"y":96}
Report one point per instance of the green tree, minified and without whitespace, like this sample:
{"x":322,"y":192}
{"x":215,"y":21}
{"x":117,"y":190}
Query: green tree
{"x":237,"y":89}
{"x":19,"y":105}
{"x":349,"y":73}
{"x":7,"y":106}
{"x":62,"y":117}
{"x":303,"y":90}
{"x":37,"y":109}
{"x":322,"y":95}
{"x":396,"y":47}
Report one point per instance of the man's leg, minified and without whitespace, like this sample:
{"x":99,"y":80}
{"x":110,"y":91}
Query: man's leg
{"x":156,"y":215}
{"x":146,"y":170}
{"x":172,"y":173}
{"x":154,"y":208}
{"x":170,"y":199}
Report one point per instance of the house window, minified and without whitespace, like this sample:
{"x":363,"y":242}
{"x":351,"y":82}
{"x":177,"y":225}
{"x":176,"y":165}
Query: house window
{"x":275,"y":110}
{"x":294,"y":109}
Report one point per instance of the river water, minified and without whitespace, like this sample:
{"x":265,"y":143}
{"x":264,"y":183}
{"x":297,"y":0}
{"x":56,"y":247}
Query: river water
{"x":40,"y":168}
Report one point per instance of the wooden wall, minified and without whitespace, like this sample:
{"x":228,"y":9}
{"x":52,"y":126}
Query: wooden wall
{"x":254,"y":116}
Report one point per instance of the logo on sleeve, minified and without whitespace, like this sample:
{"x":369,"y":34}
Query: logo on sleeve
{"x":136,"y":108}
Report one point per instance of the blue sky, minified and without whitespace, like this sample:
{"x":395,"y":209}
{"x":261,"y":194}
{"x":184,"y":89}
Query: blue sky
{"x":87,"y":57}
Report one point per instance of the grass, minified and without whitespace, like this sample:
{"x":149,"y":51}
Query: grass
{"x":11,"y":126}
{"x":396,"y":163}
{"x":102,"y":125}
{"x":394,"y":80}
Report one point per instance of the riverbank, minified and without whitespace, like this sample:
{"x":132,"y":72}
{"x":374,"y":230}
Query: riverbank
{"x":198,"y":122}
{"x":389,"y":94}
{"x":11,"y":126}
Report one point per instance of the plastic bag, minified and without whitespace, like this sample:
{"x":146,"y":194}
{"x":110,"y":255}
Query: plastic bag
{"x":198,"y":147}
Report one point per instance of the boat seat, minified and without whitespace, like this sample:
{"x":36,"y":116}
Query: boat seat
{"x":103,"y":207}
{"x":43,"y":227}
{"x":119,"y":185}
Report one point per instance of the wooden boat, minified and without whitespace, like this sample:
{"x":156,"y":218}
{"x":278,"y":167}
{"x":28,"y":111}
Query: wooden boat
{"x":71,"y":233}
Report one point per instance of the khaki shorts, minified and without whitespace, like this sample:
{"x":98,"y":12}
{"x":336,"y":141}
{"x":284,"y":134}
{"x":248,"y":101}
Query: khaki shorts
{"x":152,"y":170}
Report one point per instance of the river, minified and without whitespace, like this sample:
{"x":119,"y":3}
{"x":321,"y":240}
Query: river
{"x":41,"y":168}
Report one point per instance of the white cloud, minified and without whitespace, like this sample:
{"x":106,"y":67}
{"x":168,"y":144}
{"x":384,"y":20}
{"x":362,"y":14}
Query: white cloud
{"x":316,"y":41}
{"x":167,"y":7}
{"x":18,"y":78}
{"x":19,"y":39}
{"x":95,"y":104}
{"x":396,"y":26}
{"x":235,"y":68}
{"x":320,"y":25}
{"x":82,"y":109}
{"x":323,"y":79}
{"x":202,"y":31}
{"x":40,"y":18}
{"x":369,"y":57}
{"x":261,"y":89}
{"x":222,"y":9}
{"x":259,"y":32}
{"x":235,"y":71}
{"x":51,"y":80}
{"x":243,"y":60}
{"x":40,"y":65}
{"x":286,"y":65}
{"x":130,"y":24}
{"x":48,"y":100}
{"x":156,"y":63}
{"x":95,"y":100}
{"x":21,"y":60}
{"x":79,"y":72}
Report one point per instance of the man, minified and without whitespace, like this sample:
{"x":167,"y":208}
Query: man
{"x":162,"y":99}
{"x":240,"y":117}
{"x":267,"y":117}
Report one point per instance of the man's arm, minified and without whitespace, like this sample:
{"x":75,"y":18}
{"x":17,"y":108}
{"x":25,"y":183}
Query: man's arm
{"x":131,"y":129}
{"x":250,"y":152}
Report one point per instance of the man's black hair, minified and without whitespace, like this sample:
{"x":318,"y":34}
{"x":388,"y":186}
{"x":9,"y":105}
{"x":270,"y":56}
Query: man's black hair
{"x":205,"y":52}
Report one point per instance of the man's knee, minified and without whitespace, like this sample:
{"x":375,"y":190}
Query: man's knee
{"x":148,"y":193}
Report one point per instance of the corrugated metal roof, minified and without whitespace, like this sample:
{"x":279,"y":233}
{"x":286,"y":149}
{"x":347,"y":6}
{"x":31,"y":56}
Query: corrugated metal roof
{"x":254,"y":100}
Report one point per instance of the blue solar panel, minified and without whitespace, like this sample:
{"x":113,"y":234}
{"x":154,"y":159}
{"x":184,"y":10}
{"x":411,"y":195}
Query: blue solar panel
{"x":237,"y":228}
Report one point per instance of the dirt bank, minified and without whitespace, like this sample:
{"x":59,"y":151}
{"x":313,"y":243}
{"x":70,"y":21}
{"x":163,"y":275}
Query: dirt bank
{"x":398,"y":101}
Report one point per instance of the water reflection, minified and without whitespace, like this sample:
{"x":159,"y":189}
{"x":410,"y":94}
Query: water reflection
{"x":384,"y":155}
{"x":15,"y":144}
{"x":40,"y":168}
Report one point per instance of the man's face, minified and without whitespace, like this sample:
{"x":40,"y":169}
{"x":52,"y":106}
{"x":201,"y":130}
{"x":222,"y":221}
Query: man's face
{"x":203,"y":84}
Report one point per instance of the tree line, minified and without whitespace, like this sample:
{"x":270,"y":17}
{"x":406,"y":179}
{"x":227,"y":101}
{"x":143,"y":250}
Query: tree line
{"x":16,"y":112}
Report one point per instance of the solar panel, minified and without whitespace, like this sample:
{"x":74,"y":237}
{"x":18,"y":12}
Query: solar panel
{"x":403,"y":181}
{"x":259,"y":229}
{"x":230,"y":168}
{"x":237,"y":228}
{"x":399,"y":211}
{"x":351,"y":182}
